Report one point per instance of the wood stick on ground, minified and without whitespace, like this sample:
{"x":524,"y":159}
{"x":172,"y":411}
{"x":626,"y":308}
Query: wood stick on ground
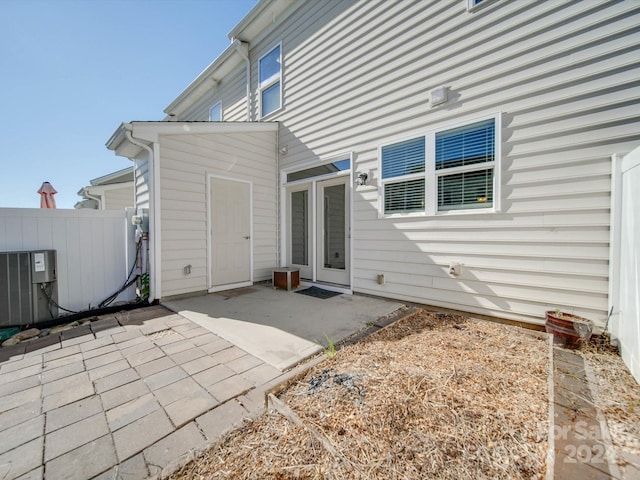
{"x":286,"y":412}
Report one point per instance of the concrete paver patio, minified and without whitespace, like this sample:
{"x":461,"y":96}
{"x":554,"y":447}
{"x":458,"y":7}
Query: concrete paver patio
{"x":132,"y":393}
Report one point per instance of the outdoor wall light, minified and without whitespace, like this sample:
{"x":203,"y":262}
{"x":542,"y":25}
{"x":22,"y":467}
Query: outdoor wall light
{"x":438,"y":96}
{"x":362,"y":177}
{"x":284,"y":150}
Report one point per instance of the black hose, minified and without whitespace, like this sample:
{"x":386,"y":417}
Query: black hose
{"x":51,"y":300}
{"x":104,"y":303}
{"x":87,"y":313}
{"x":127,"y":283}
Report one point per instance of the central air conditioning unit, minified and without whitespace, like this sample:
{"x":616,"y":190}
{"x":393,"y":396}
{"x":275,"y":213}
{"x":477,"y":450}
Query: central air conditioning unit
{"x":28,"y":287}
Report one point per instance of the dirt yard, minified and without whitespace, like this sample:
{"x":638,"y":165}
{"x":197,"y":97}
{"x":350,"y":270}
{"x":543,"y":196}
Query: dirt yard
{"x":617,"y":395}
{"x":432,"y":396}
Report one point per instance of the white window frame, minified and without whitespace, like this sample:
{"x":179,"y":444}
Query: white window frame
{"x":262,"y":86}
{"x":477,"y":4}
{"x":471,"y":4}
{"x":217,"y":104}
{"x":400,"y":178}
{"x":431,"y":175}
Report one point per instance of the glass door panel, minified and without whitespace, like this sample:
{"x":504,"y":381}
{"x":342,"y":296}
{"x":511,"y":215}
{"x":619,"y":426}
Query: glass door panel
{"x":333,"y":241}
{"x":299,"y":234}
{"x":334,"y":227}
{"x":300,"y":227}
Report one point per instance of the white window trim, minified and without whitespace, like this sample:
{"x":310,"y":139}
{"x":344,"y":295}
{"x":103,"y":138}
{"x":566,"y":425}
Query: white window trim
{"x":270,"y":82}
{"x":431,"y":174}
{"x":214,"y":106}
{"x":476,"y":5}
{"x":315,"y":163}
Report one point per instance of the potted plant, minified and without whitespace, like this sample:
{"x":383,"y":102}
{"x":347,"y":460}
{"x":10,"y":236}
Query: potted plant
{"x":568,"y":330}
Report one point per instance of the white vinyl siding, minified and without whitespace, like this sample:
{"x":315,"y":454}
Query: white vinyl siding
{"x":233,"y":89}
{"x":185,"y":162}
{"x":564,"y":75}
{"x":141,"y":183}
{"x":473,"y":4}
{"x":118,"y":198}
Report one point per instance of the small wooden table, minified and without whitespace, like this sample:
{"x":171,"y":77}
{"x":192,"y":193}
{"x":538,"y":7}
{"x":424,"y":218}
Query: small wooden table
{"x":286,"y":278}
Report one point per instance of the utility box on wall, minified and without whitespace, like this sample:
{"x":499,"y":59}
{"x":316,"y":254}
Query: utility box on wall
{"x":28,"y":287}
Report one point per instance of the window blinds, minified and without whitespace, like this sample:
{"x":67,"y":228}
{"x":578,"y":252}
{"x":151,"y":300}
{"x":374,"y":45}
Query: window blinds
{"x":466,"y":145}
{"x":407,"y":196}
{"x":403,"y":158}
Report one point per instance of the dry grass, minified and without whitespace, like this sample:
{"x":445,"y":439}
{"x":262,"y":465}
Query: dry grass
{"x":618,"y":398}
{"x":433,"y":396}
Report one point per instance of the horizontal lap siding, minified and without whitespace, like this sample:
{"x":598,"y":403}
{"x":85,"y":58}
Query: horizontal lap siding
{"x":565,"y":77}
{"x":142,"y":181}
{"x":230,"y":91}
{"x":119,"y":198}
{"x":186,"y":160}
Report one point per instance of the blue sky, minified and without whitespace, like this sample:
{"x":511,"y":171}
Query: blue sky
{"x":72,"y":70}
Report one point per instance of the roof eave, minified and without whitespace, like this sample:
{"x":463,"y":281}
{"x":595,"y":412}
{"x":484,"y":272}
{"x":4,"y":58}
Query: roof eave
{"x":120,"y":144}
{"x":207,"y":79}
{"x":263,"y":15}
{"x":121,"y":176}
{"x":248,"y":19}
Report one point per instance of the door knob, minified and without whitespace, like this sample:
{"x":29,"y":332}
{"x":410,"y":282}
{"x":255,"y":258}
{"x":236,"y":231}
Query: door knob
{"x":246,"y":237}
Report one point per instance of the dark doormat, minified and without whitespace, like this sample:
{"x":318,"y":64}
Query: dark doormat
{"x":318,"y":292}
{"x":236,"y":292}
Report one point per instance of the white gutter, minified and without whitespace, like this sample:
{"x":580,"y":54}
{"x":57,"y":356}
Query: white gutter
{"x":243,"y":50}
{"x":215,"y":72}
{"x":86,"y":193}
{"x":155,"y":290}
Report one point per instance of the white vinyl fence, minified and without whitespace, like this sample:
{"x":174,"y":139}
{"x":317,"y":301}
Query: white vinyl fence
{"x":626,"y":260}
{"x":95,"y":249}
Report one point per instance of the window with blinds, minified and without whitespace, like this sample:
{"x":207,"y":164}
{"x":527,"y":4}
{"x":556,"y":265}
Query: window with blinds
{"x":462,"y":157}
{"x":403,"y":167}
{"x":446,"y":170}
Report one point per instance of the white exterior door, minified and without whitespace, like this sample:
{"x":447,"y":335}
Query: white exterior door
{"x":333,"y":243}
{"x":230,"y":210}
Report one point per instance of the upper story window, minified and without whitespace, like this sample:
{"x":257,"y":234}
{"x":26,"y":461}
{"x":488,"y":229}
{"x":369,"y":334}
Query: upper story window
{"x":215,"y":112}
{"x":270,"y":74}
{"x":452,"y":169}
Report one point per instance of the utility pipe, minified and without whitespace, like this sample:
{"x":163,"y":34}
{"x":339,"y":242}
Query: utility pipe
{"x":152,"y":213}
{"x":243,"y":50}
{"x":86,"y":193}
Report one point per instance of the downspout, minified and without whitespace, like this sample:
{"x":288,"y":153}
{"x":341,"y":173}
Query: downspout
{"x":243,"y":50}
{"x":153,"y":280}
{"x":86,"y":193}
{"x":613,"y":307}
